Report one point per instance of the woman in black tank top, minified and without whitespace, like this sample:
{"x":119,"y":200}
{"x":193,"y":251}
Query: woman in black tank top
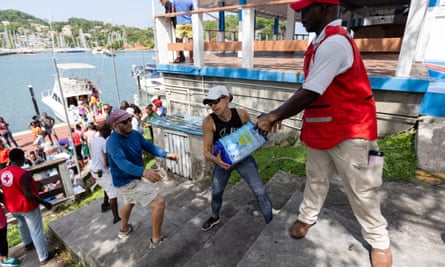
{"x":222,"y":122}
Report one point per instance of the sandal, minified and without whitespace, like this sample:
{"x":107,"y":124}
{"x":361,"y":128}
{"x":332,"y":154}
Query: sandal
{"x":130,"y":229}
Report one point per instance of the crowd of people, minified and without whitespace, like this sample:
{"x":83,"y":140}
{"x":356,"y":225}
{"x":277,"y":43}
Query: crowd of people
{"x":87,"y":142}
{"x":339,"y":130}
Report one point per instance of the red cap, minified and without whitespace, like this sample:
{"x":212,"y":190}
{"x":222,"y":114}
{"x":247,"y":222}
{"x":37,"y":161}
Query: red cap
{"x":297,"y":5}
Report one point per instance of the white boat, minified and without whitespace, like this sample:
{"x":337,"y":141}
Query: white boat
{"x":72,"y":50}
{"x":97,"y":50}
{"x":76,"y":90}
{"x":108,"y":52}
{"x":148,"y":79}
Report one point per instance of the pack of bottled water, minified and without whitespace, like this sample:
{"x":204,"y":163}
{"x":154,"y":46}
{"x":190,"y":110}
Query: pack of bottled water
{"x":239,"y":144}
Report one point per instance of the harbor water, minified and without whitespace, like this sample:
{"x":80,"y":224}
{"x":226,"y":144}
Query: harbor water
{"x":17,"y":72}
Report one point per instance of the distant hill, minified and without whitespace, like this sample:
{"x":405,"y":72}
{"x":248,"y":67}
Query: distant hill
{"x":19,"y":18}
{"x":97,"y":33}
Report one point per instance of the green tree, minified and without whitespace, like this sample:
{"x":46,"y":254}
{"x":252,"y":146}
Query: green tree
{"x":96,"y":33}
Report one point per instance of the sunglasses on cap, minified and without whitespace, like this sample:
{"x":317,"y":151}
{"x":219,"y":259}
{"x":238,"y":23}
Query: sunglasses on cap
{"x":215,"y":102}
{"x":125,"y":121}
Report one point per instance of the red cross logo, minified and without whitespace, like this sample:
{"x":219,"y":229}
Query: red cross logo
{"x":7,"y":178}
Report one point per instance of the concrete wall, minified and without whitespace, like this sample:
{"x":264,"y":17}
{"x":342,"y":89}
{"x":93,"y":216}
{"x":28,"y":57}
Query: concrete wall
{"x":396,"y":111}
{"x":430,"y":144}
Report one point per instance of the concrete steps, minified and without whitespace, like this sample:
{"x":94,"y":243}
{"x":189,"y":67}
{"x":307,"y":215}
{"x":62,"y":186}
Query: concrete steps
{"x":328,"y":243}
{"x":228,"y":244}
{"x":93,"y":238}
{"x":224,"y":244}
{"x":242,"y":239}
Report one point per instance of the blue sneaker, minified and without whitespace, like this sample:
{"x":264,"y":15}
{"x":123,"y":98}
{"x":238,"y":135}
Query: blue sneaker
{"x":11,"y":262}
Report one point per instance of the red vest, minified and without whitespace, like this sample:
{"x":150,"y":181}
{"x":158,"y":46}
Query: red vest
{"x":15,"y":200}
{"x":346,"y":110}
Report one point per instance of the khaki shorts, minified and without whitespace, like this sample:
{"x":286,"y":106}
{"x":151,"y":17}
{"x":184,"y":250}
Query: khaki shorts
{"x":107,"y":184}
{"x":137,"y":191}
{"x":184,"y":30}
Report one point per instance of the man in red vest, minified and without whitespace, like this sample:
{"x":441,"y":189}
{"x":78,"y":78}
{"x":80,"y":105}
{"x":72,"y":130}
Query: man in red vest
{"x":339,"y":127}
{"x":21,"y":199}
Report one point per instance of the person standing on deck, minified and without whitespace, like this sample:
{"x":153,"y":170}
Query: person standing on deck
{"x":183,"y":26}
{"x":124,"y":148}
{"x":48,"y":125}
{"x":6,"y":133}
{"x":168,"y":6}
{"x":37,"y":133}
{"x":339,"y":127}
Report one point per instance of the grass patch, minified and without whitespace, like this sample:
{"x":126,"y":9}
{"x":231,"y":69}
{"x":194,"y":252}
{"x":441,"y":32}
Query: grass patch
{"x":400,"y":156}
{"x":400,"y":159}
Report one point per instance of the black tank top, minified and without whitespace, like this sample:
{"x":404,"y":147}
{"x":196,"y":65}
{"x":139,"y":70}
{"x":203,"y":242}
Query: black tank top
{"x":225,"y":128}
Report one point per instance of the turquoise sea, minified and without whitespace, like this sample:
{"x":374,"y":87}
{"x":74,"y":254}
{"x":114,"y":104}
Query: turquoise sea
{"x":17,"y":72}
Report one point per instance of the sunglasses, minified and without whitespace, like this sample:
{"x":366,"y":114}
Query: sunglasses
{"x":215,"y":102}
{"x":125,"y":121}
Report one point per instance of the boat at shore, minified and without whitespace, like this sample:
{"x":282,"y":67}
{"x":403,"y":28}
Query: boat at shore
{"x":148,"y":79}
{"x":5,"y":52}
{"x":72,"y":50}
{"x":76,"y":92}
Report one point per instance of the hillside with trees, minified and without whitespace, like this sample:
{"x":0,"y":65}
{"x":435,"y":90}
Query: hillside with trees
{"x":96,"y":33}
{"x":72,"y":33}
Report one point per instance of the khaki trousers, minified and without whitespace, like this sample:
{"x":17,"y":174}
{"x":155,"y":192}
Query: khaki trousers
{"x":361,"y":181}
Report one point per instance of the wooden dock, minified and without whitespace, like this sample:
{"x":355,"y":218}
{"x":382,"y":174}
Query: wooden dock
{"x":25,"y":140}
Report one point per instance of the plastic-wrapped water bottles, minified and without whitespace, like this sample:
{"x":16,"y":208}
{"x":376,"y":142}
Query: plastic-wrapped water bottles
{"x":239,"y":144}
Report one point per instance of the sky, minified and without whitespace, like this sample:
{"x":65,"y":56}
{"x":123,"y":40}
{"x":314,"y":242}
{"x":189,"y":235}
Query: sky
{"x":136,"y":13}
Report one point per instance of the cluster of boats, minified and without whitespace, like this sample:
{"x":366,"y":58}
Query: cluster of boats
{"x":74,"y":85}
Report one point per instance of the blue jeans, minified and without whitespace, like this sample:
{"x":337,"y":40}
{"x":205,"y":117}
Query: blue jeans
{"x":248,"y":169}
{"x":8,"y":136}
{"x":31,"y":230}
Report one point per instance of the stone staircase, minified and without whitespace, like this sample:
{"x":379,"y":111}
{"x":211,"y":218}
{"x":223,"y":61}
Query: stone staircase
{"x":241,"y":239}
{"x":91,"y":236}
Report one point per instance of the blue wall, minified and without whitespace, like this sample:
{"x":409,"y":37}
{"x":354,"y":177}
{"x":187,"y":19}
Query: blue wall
{"x":433,"y":88}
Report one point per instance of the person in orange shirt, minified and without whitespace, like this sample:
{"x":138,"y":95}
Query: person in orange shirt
{"x":4,"y":155}
{"x":36,"y":127}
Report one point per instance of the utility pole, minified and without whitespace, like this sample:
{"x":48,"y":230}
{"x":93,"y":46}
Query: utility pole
{"x":36,"y":107}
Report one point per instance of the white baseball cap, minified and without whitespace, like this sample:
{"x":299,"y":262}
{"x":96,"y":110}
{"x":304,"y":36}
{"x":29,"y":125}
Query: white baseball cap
{"x":215,"y":93}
